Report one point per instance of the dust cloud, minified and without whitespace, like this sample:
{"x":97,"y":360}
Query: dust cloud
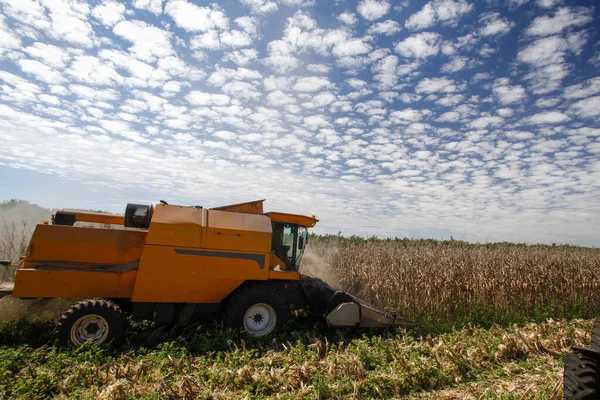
{"x":12,"y":309}
{"x":17,"y":222}
{"x":316,"y":262}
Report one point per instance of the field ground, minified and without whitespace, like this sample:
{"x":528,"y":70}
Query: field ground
{"x":309,"y":360}
{"x":497,"y":321}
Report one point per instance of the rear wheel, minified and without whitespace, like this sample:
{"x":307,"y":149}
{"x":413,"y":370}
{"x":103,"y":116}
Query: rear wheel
{"x":581,"y":378}
{"x":98,"y":321}
{"x":258,"y":310}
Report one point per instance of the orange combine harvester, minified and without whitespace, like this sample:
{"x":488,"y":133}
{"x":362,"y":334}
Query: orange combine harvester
{"x":170,"y":263}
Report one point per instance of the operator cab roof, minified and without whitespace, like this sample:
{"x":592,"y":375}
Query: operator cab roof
{"x":301,"y":220}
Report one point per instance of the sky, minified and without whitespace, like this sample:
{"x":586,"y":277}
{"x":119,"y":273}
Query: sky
{"x":477,"y":120}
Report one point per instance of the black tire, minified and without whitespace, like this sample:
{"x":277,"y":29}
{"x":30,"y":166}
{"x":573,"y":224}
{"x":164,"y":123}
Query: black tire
{"x":101,"y":321}
{"x":254,"y":300}
{"x":581,"y":378}
{"x":596,"y":335}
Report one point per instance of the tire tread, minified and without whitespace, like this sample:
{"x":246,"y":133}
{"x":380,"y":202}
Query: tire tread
{"x":106,"y":308}
{"x":580,"y":377}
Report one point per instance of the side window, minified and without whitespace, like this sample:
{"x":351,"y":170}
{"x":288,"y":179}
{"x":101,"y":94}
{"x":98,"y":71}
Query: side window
{"x":302,"y":240}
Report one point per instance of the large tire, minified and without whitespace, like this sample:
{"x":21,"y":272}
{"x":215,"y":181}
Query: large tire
{"x":581,"y":378}
{"x":596,"y":335}
{"x":100,"y":321}
{"x":257,"y":309}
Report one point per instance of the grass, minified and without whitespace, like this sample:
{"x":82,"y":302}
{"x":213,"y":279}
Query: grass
{"x":205,"y":361}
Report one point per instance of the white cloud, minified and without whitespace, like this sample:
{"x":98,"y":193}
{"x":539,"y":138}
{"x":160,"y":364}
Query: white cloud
{"x":406,"y":116}
{"x":422,"y":19}
{"x":436,"y":85}
{"x":356,"y":83}
{"x":109,"y":12}
{"x":386,"y":72}
{"x":320,"y":100}
{"x":318,"y":68}
{"x":277,"y":98}
{"x":457,"y":63}
{"x":248,"y":25}
{"x":241,"y":90}
{"x":548,"y":117}
{"x":94,"y":71}
{"x":544,"y":51}
{"x":235,"y":38}
{"x":438,"y":11}
{"x":225,"y":135}
{"x":241,"y":57}
{"x":546,"y":58}
{"x":351,"y":47}
{"x":492,"y":24}
{"x":299,"y":3}
{"x":208,"y":40}
{"x":261,"y":6}
{"x":563,"y":18}
{"x":311,"y":84}
{"x":347,"y":18}
{"x":54,"y":56}
{"x":485,"y":122}
{"x":172,"y":87}
{"x":93,"y":94}
{"x":584,"y":89}
{"x":587,"y":108}
{"x":41,"y":71}
{"x":421,"y":45}
{"x":193,"y":18}
{"x":450,"y":116}
{"x":7,"y":39}
{"x":69,"y":23}
{"x":198,"y":98}
{"x":154,"y":6}
{"x":149,"y":42}
{"x":223,"y":75}
{"x":387,"y":27}
{"x":373,"y":9}
{"x":278,"y":83}
{"x":548,"y":3}
{"x":507,"y":94}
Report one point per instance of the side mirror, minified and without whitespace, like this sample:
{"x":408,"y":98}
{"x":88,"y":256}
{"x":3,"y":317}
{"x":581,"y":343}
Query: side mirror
{"x":301,"y":242}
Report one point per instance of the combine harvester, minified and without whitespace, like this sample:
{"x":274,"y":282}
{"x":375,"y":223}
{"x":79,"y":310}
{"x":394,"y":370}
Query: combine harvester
{"x":169,"y":263}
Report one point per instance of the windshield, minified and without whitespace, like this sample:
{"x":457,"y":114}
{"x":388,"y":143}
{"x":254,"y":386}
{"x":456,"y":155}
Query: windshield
{"x":302,"y":240}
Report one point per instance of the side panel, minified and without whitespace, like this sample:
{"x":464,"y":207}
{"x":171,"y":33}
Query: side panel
{"x":78,"y":246}
{"x":176,"y":226}
{"x":238,"y":232}
{"x":185,"y":275}
{"x":33,"y":283}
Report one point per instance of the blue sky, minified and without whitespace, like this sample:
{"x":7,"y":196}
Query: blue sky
{"x":477,"y":120}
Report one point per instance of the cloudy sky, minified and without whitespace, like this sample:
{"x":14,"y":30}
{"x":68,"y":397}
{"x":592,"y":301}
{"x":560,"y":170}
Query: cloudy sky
{"x":472,"y":119}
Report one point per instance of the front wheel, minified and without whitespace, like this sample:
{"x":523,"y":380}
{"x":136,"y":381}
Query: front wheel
{"x":258,"y":310}
{"x":98,"y":321}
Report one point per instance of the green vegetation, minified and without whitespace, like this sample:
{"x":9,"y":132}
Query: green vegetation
{"x":308,"y":361}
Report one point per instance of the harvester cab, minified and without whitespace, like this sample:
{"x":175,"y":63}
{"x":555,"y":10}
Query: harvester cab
{"x":170,"y":263}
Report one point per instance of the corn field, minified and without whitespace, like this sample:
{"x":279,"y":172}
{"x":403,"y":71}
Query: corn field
{"x":449,"y":280}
